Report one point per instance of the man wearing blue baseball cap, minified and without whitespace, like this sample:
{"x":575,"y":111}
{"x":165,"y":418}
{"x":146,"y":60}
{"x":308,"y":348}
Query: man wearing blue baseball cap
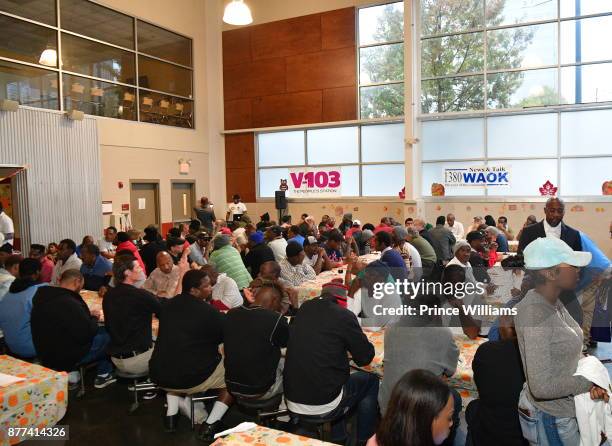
{"x":258,"y":254}
{"x":550,"y":341}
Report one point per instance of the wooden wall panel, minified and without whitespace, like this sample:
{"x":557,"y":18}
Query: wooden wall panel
{"x":325,"y":69}
{"x":240,"y":166}
{"x":253,"y":79}
{"x":236,"y":47}
{"x":238,"y":114}
{"x":338,"y":29}
{"x":288,"y":109}
{"x":286,"y":37}
{"x":340,"y":104}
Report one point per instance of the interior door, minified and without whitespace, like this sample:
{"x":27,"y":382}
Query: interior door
{"x":182,"y":202}
{"x":143,"y":205}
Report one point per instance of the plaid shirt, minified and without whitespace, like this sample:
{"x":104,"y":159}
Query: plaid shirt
{"x":296,"y":275}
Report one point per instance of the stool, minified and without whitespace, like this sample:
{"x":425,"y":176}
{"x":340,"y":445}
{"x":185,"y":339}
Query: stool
{"x":320,"y":425}
{"x":138,"y":387}
{"x":82,"y":369}
{"x":209,"y":395}
{"x":265,"y":410}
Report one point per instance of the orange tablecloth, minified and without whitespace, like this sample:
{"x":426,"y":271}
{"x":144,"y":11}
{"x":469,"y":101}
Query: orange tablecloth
{"x":462,"y":380}
{"x":94,"y":302}
{"x":38,"y":401}
{"x":263,"y":436}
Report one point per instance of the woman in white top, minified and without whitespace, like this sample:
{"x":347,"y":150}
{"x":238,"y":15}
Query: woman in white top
{"x":462,"y":258}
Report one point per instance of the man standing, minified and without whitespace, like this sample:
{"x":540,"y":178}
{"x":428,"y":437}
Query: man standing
{"x":38,"y":252}
{"x":235,"y":209}
{"x":444,"y":237}
{"x":551,"y":226}
{"x":106,"y":244}
{"x":7,"y":228}
{"x":456,"y":227}
{"x":205,"y":214}
{"x":66,"y":259}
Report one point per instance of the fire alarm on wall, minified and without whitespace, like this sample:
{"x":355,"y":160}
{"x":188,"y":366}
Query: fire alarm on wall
{"x":125,"y":207}
{"x":120,"y":184}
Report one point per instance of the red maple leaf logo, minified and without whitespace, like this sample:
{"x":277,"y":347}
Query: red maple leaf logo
{"x":548,"y":189}
{"x":402,"y":193}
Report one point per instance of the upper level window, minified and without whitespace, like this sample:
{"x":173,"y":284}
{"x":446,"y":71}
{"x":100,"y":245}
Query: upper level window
{"x":381,"y":60}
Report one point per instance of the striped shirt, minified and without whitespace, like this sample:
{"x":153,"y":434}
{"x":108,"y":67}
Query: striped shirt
{"x":227,"y":260}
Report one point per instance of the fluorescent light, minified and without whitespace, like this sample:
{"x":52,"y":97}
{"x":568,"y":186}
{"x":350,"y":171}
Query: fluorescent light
{"x":237,"y":13}
{"x":48,"y":58}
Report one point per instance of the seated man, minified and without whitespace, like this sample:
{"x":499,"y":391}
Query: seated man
{"x":198,"y":250}
{"x":293,"y":268}
{"x":96,"y":270}
{"x":164,"y":280}
{"x":128,"y":314}
{"x":315,"y":255}
{"x":258,"y":254}
{"x":269,"y":274}
{"x":66,"y":259}
{"x":106,"y":244}
{"x":175,"y":247}
{"x":293,"y":235}
{"x":16,"y":309}
{"x":225,"y":293}
{"x":66,"y":334}
{"x":368,"y":304}
{"x":389,"y":256}
{"x":125,"y":243}
{"x":476,"y":239}
{"x":498,"y":374}
{"x":463,"y":323}
{"x":276,"y":242}
{"x":38,"y":252}
{"x":317,"y":378}
{"x":9,"y":270}
{"x":148,"y":252}
{"x":333,"y":247}
{"x":253,"y":337}
{"x":226,"y":259}
{"x":186,"y":359}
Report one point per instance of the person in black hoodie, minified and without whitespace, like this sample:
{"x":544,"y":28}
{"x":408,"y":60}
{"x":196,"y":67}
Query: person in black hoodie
{"x":498,"y":374}
{"x":155,"y":244}
{"x":253,"y":337}
{"x":66,"y":334}
{"x":186,"y":358}
{"x":317,"y":378}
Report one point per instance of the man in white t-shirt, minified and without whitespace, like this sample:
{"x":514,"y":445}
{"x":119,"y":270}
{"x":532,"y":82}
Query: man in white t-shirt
{"x":236,"y":208}
{"x":455,"y":227}
{"x":6,"y":227}
{"x":106,"y":244}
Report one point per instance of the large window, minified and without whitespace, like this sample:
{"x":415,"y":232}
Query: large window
{"x":523,"y":84}
{"x":381,"y":60}
{"x":370,"y":158}
{"x":104,"y":62}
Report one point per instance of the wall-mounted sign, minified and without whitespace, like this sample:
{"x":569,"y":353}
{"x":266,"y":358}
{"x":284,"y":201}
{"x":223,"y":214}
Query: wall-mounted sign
{"x":311,"y":182}
{"x":488,"y":176}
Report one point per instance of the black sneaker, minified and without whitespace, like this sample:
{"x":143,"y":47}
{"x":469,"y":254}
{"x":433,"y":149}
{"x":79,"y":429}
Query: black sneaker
{"x":207,"y":431}
{"x":104,"y":380}
{"x":170,"y":423}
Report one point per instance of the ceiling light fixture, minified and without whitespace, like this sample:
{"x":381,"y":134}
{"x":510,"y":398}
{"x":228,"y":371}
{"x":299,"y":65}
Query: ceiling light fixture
{"x":48,"y":57}
{"x":237,"y":13}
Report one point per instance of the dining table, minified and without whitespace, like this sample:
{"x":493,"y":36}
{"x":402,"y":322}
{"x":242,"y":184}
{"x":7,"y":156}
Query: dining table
{"x":31,"y":396}
{"x":265,"y":436}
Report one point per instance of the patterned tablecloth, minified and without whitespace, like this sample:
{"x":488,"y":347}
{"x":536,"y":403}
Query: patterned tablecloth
{"x":263,"y":436}
{"x":312,"y":288}
{"x":462,"y":380}
{"x":38,"y":401}
{"x":94,"y":302}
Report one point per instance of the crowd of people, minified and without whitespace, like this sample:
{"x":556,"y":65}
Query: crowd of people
{"x":226,"y":296}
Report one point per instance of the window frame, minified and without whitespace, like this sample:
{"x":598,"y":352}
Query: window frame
{"x":419,"y":117}
{"x":359,"y":47}
{"x":60,"y":71}
{"x":359,"y":163}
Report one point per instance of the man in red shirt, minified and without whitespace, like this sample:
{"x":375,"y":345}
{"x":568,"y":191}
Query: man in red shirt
{"x":37,"y":252}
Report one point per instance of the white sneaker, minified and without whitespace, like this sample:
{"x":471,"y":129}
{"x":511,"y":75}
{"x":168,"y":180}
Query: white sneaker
{"x":74,"y":377}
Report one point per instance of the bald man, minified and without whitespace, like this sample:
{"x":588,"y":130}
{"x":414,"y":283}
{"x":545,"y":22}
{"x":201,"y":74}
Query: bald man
{"x":164,"y":281}
{"x":456,"y":227}
{"x":551,"y":226}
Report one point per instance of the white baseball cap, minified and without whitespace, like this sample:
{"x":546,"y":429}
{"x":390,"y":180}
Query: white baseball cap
{"x":550,"y":251}
{"x":356,"y":223}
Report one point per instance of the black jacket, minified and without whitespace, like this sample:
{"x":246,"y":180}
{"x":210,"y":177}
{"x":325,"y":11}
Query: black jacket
{"x":321,"y":336}
{"x":187,"y":347}
{"x":499,"y":377}
{"x":253,"y":337}
{"x":128,"y":313}
{"x":256,"y":256}
{"x":62,"y":327}
{"x":148,"y":254}
{"x":479,"y":267}
{"x":435,"y":244}
{"x":568,"y":235}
